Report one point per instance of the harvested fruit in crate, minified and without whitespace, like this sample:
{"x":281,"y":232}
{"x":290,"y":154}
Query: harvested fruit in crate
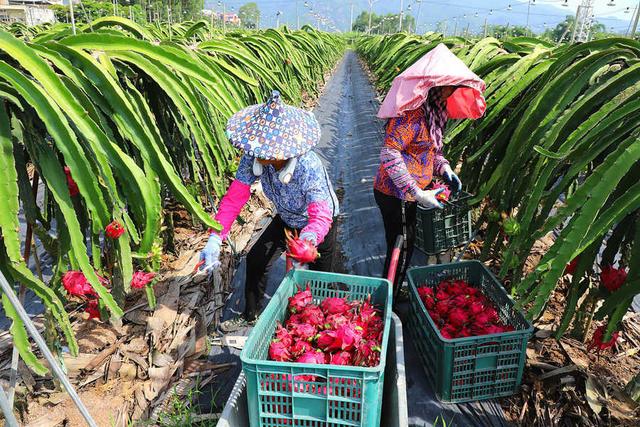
{"x":460,"y":310}
{"x":335,"y":332}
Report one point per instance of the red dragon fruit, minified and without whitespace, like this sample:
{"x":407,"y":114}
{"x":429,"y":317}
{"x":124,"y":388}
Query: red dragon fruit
{"x":367,"y":311}
{"x":301,"y":250}
{"x":313,"y":315}
{"x":300,"y":347}
{"x":596,"y":342}
{"x":458,"y":317}
{"x":449,"y":332}
{"x":315,"y":357}
{"x":303,"y":331}
{"x":335,"y":306}
{"x":283,"y":335}
{"x":365,"y":353}
{"x":341,"y":358}
{"x":332,"y":321}
{"x":279,"y":352}
{"x":326,"y":339}
{"x":443,"y":308}
{"x":300,"y":300}
{"x":442,"y":295}
{"x":475,"y":308}
{"x":612,"y":278}
{"x":571,"y":267}
{"x":445,"y":194}
{"x":347,"y":336}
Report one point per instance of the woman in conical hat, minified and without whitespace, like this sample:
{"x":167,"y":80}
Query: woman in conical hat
{"x":277,"y":140}
{"x":438,"y":87}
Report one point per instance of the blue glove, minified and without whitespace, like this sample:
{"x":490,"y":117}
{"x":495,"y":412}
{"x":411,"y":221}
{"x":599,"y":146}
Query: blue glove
{"x":309,"y":237}
{"x":211,"y":253}
{"x":452,"y":179}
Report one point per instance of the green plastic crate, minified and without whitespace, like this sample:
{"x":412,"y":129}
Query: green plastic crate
{"x":277,"y":392}
{"x":438,"y":230}
{"x":472,"y":368}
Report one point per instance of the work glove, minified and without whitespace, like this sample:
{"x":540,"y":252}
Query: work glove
{"x":427,"y":198}
{"x":452,"y":180}
{"x":210,"y":255}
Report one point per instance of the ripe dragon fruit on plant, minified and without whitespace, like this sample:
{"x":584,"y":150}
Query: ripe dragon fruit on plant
{"x":612,"y":278}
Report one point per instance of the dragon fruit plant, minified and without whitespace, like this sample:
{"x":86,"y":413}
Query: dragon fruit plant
{"x":334,"y":332}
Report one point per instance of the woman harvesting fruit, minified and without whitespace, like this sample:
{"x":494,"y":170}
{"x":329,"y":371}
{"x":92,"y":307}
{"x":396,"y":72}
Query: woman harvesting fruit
{"x":277,"y":139}
{"x":436,"y":88}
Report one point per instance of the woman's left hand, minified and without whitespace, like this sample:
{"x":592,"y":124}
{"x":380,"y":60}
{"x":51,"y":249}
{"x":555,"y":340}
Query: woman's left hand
{"x":451,"y":178}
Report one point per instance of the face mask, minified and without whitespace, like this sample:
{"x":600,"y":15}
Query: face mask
{"x":284,"y":175}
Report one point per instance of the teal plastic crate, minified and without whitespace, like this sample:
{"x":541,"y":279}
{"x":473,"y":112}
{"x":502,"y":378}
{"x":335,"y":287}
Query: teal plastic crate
{"x":438,"y":230}
{"x":281,"y":393}
{"x":472,"y":368}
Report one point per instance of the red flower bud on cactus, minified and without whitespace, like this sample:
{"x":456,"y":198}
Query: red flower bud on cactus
{"x":571,"y":267}
{"x":92,"y":309}
{"x":76,"y":284}
{"x":597,"y":343}
{"x":300,"y":300}
{"x":114,"y":230}
{"x":279,"y":352}
{"x":141,"y":279}
{"x":612,"y":278}
{"x":71,"y":184}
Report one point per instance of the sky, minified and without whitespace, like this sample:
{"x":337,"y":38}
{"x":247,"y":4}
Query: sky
{"x":457,"y":13}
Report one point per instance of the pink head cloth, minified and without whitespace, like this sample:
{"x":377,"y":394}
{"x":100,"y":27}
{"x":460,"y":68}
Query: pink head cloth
{"x":439,"y":67}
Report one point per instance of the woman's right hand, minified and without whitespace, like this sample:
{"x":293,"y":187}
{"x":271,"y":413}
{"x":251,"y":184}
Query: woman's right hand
{"x":211,"y":253}
{"x":427,"y":198}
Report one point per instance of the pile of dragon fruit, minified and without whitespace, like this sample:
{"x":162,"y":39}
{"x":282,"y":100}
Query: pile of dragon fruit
{"x":336,"y":332}
{"x":461,"y":310}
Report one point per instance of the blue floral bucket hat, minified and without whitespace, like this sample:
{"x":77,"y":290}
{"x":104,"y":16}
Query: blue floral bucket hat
{"x":274,"y":130}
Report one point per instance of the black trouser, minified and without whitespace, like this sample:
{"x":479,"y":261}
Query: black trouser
{"x":391,"y":210}
{"x":266,"y":251}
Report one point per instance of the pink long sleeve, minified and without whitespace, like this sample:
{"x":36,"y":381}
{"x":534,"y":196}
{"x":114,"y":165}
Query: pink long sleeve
{"x":231,"y":205}
{"x":320,"y":220}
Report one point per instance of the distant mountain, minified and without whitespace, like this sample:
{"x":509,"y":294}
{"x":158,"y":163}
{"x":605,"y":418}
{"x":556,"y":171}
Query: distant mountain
{"x":465,"y":12}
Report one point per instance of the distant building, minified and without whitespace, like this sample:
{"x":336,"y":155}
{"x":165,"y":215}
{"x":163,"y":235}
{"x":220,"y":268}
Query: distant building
{"x":29,"y":12}
{"x":229,"y":18}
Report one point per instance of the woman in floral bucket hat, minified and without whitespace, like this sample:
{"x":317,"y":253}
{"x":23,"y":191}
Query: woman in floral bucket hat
{"x":277,"y":140}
